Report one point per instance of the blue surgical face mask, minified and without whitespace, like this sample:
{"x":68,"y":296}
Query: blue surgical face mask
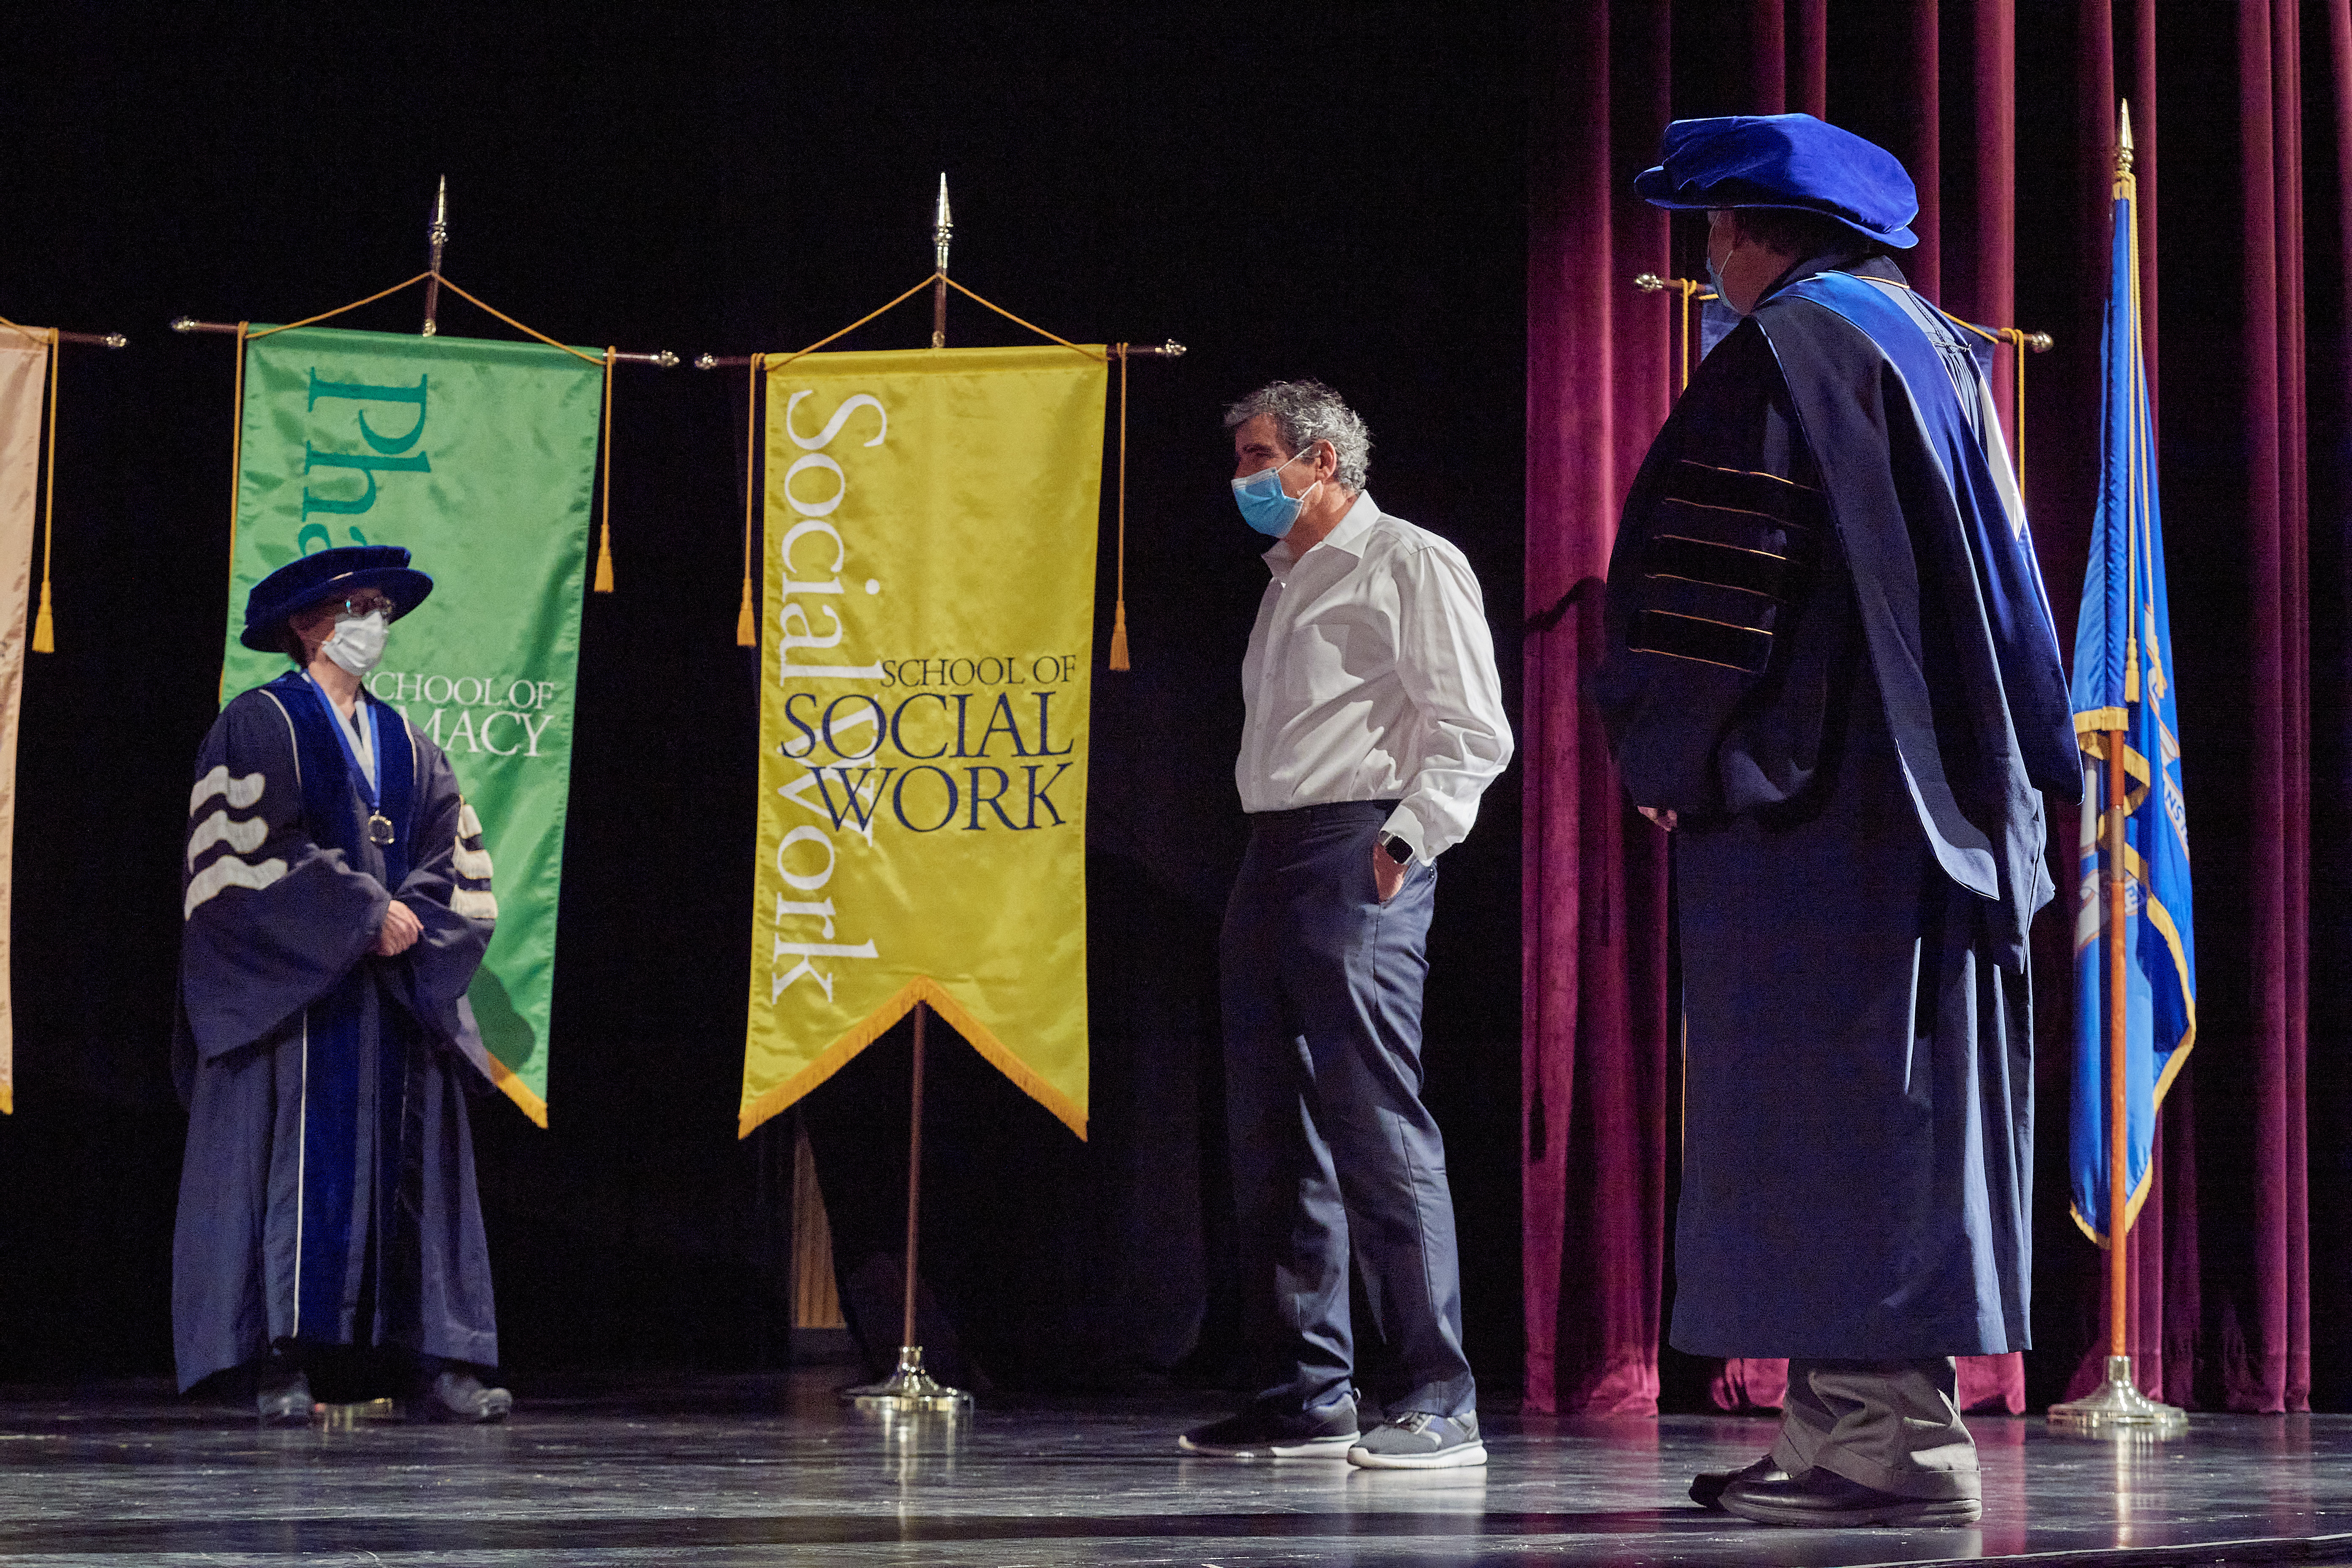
{"x":1714,"y":281}
{"x":1264,"y":506}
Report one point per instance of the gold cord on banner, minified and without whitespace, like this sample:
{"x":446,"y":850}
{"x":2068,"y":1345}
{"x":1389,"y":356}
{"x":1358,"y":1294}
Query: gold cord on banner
{"x":1018,"y":321}
{"x":2016,"y":335}
{"x":235,"y":477}
{"x":45,"y":628}
{"x":518,"y":326}
{"x":1119,"y":602}
{"x":446,"y":283}
{"x":338,"y":311}
{"x":747,"y":624}
{"x":1690,"y":291}
{"x":604,"y":538}
{"x":849,"y":329}
{"x":45,"y":633}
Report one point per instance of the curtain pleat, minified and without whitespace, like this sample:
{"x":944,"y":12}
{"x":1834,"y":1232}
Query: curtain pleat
{"x":2328,"y":241}
{"x":1594,"y":1130}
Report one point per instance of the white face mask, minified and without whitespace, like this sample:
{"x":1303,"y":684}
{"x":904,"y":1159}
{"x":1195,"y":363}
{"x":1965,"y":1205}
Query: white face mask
{"x":358,"y":642}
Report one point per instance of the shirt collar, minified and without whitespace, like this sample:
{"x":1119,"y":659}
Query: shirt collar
{"x":1345,"y":537}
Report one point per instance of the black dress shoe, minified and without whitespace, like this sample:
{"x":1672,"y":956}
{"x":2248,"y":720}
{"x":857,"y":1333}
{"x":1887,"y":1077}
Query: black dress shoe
{"x":1707,"y":1487}
{"x":452,"y":1395}
{"x":1818,"y":1498}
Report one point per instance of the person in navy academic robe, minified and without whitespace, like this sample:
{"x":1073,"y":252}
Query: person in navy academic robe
{"x":1832,"y":672}
{"x":337,"y":901}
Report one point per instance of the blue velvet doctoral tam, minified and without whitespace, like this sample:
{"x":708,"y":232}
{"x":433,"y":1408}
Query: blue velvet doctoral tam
{"x":1829,"y":651}
{"x":328,"y":1194}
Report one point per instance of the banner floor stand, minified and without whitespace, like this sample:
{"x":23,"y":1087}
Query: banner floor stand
{"x":910,"y":1387}
{"x":2116,"y":1408}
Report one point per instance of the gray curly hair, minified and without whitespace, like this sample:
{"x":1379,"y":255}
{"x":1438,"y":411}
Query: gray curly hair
{"x":1306,"y":412}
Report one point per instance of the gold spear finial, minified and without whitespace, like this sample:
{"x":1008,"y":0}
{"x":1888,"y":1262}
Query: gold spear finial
{"x":2123,"y":136}
{"x":942,"y":226}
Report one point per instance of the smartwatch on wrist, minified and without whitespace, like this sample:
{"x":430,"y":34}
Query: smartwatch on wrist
{"x":1394,"y":847}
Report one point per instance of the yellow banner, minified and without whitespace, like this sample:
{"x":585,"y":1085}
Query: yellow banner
{"x":24,"y":377}
{"x":931,"y":523}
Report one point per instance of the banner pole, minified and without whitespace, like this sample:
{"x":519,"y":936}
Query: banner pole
{"x":943,"y":232}
{"x":910,"y":1387}
{"x":660,"y":358}
{"x":914,"y":1178}
{"x":2119,"y":1064}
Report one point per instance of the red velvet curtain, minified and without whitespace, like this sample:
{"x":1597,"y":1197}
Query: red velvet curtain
{"x":1595,"y":1061}
{"x":2221,"y":1257}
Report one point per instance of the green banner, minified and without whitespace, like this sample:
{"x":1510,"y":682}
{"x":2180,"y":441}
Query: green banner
{"x":479,"y":458}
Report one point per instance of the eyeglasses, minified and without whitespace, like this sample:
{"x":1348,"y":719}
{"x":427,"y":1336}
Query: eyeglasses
{"x":367,"y":602}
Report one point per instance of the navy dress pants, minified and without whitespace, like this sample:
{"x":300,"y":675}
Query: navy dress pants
{"x":1332,"y":1149}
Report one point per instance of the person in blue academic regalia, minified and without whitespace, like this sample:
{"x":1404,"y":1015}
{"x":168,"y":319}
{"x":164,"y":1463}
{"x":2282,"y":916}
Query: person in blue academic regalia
{"x":337,"y":901}
{"x":1832,"y":672}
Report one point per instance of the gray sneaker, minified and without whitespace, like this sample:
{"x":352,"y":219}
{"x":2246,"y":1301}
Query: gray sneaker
{"x":1416,"y":1440}
{"x":1255,"y":1434}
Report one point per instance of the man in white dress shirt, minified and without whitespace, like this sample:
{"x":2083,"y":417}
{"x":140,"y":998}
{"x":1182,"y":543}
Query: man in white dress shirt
{"x":1374,"y":721}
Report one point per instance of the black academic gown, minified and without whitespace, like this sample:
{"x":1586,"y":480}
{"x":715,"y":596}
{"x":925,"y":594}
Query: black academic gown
{"x":328,"y":1193}
{"x":1828,"y":650}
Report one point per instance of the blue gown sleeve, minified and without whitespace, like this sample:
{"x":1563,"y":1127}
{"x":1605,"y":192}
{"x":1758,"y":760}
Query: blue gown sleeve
{"x":272,"y":920}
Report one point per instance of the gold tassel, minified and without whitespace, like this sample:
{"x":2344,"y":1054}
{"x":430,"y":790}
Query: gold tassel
{"x":1118,"y":604}
{"x":747,"y":623}
{"x":604,"y":538}
{"x":45,"y":630}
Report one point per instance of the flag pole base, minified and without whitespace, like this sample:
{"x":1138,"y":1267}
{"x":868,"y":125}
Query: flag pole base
{"x":909,"y":1388}
{"x":2117,"y":1409}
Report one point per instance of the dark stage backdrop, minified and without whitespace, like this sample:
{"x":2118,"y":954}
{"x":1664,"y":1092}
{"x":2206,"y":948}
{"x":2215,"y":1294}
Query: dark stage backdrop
{"x":2005,"y":113}
{"x":1331,"y":189}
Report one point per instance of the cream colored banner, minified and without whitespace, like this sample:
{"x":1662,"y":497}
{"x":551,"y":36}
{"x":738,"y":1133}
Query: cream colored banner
{"x":24,"y":368}
{"x":926,"y":660}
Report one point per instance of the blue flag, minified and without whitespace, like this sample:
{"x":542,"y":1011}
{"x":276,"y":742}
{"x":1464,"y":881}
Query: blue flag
{"x":2123,"y":682}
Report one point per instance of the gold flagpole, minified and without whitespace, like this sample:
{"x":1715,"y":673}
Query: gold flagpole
{"x":2117,"y":1408}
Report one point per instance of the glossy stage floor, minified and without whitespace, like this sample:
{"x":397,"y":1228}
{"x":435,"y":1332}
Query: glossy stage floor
{"x":774,"y":1469}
